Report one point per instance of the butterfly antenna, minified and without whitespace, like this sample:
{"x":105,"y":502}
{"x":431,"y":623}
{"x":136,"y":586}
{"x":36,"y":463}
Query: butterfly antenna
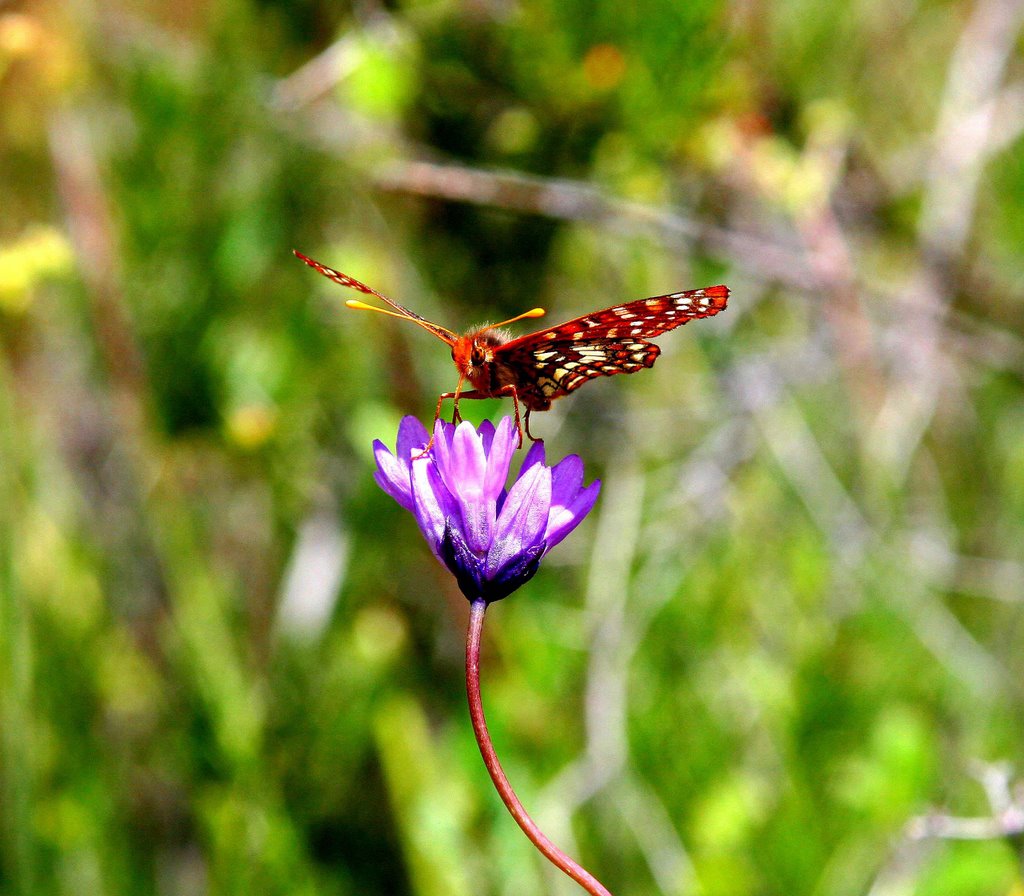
{"x":533,"y":312}
{"x":442,"y":333}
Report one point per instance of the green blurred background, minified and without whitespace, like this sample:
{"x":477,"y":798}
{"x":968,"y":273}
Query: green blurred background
{"x":783,"y":656}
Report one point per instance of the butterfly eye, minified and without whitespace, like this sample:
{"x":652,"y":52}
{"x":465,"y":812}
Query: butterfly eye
{"x":477,"y":356}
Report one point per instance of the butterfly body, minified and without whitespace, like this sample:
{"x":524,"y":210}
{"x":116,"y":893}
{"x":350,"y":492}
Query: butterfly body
{"x":479,"y":359}
{"x":538,"y":368}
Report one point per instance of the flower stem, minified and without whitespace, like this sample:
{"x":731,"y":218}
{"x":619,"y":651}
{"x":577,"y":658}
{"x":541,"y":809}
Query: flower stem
{"x":476,"y":712}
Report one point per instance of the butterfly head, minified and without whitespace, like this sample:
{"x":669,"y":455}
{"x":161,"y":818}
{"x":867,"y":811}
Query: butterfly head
{"x":474,"y":352}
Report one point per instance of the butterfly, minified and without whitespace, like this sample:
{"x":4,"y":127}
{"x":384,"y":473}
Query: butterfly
{"x":538,"y":368}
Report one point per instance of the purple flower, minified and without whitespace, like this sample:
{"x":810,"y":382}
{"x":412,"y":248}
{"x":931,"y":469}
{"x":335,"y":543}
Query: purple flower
{"x":491,"y":538}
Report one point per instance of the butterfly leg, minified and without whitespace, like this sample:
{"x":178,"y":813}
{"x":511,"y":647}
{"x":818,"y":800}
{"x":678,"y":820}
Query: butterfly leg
{"x":437,"y":416}
{"x":456,"y":416}
{"x":526,"y":426}
{"x":440,"y":401}
{"x":455,"y":396}
{"x":511,"y":390}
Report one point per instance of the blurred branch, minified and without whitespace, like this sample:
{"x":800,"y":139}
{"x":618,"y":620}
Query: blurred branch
{"x":1006,"y":823}
{"x":935,"y":561}
{"x":617,"y":626}
{"x":322,"y":74}
{"x":107,"y":440}
{"x":821,"y":265}
{"x":575,"y":200}
{"x":953,"y":172}
{"x":1007,"y":118}
{"x":313,"y":576}
{"x":762,"y":392}
{"x":966,"y":122}
{"x":1002,"y":115}
{"x":92,"y":234}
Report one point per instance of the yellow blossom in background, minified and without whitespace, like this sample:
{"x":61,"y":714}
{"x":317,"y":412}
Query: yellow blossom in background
{"x":40,"y":253}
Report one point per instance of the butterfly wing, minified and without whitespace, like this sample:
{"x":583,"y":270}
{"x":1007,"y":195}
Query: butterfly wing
{"x":555,"y":362}
{"x":548,"y":369}
{"x":643,"y":318}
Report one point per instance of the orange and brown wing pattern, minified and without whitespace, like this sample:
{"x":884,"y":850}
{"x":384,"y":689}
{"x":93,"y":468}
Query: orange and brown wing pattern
{"x":604,"y":343}
{"x":640,"y":319}
{"x":558,"y":367}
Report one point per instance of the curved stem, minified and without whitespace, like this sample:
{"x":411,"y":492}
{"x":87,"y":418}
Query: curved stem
{"x":476,"y":712}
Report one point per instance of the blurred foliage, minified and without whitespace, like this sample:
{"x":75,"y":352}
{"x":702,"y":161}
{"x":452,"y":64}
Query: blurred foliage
{"x":793,"y":628}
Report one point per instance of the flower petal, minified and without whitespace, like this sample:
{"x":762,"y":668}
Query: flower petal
{"x":463,"y":563}
{"x":433,"y":505}
{"x":442,"y":448}
{"x":503,"y":446}
{"x":392,"y":475}
{"x":464,"y":474}
{"x":486,"y":432}
{"x":516,"y":572}
{"x":523,"y":519}
{"x":533,"y":457}
{"x":566,"y":479}
{"x":458,"y":452}
{"x":412,"y":438}
{"x":566,"y":517}
{"x":469,"y":461}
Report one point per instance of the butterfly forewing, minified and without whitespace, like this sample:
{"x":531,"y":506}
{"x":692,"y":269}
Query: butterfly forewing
{"x":604,"y":343}
{"x":641,"y":319}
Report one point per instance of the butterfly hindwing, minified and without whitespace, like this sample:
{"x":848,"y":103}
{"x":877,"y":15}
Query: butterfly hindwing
{"x":558,"y":367}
